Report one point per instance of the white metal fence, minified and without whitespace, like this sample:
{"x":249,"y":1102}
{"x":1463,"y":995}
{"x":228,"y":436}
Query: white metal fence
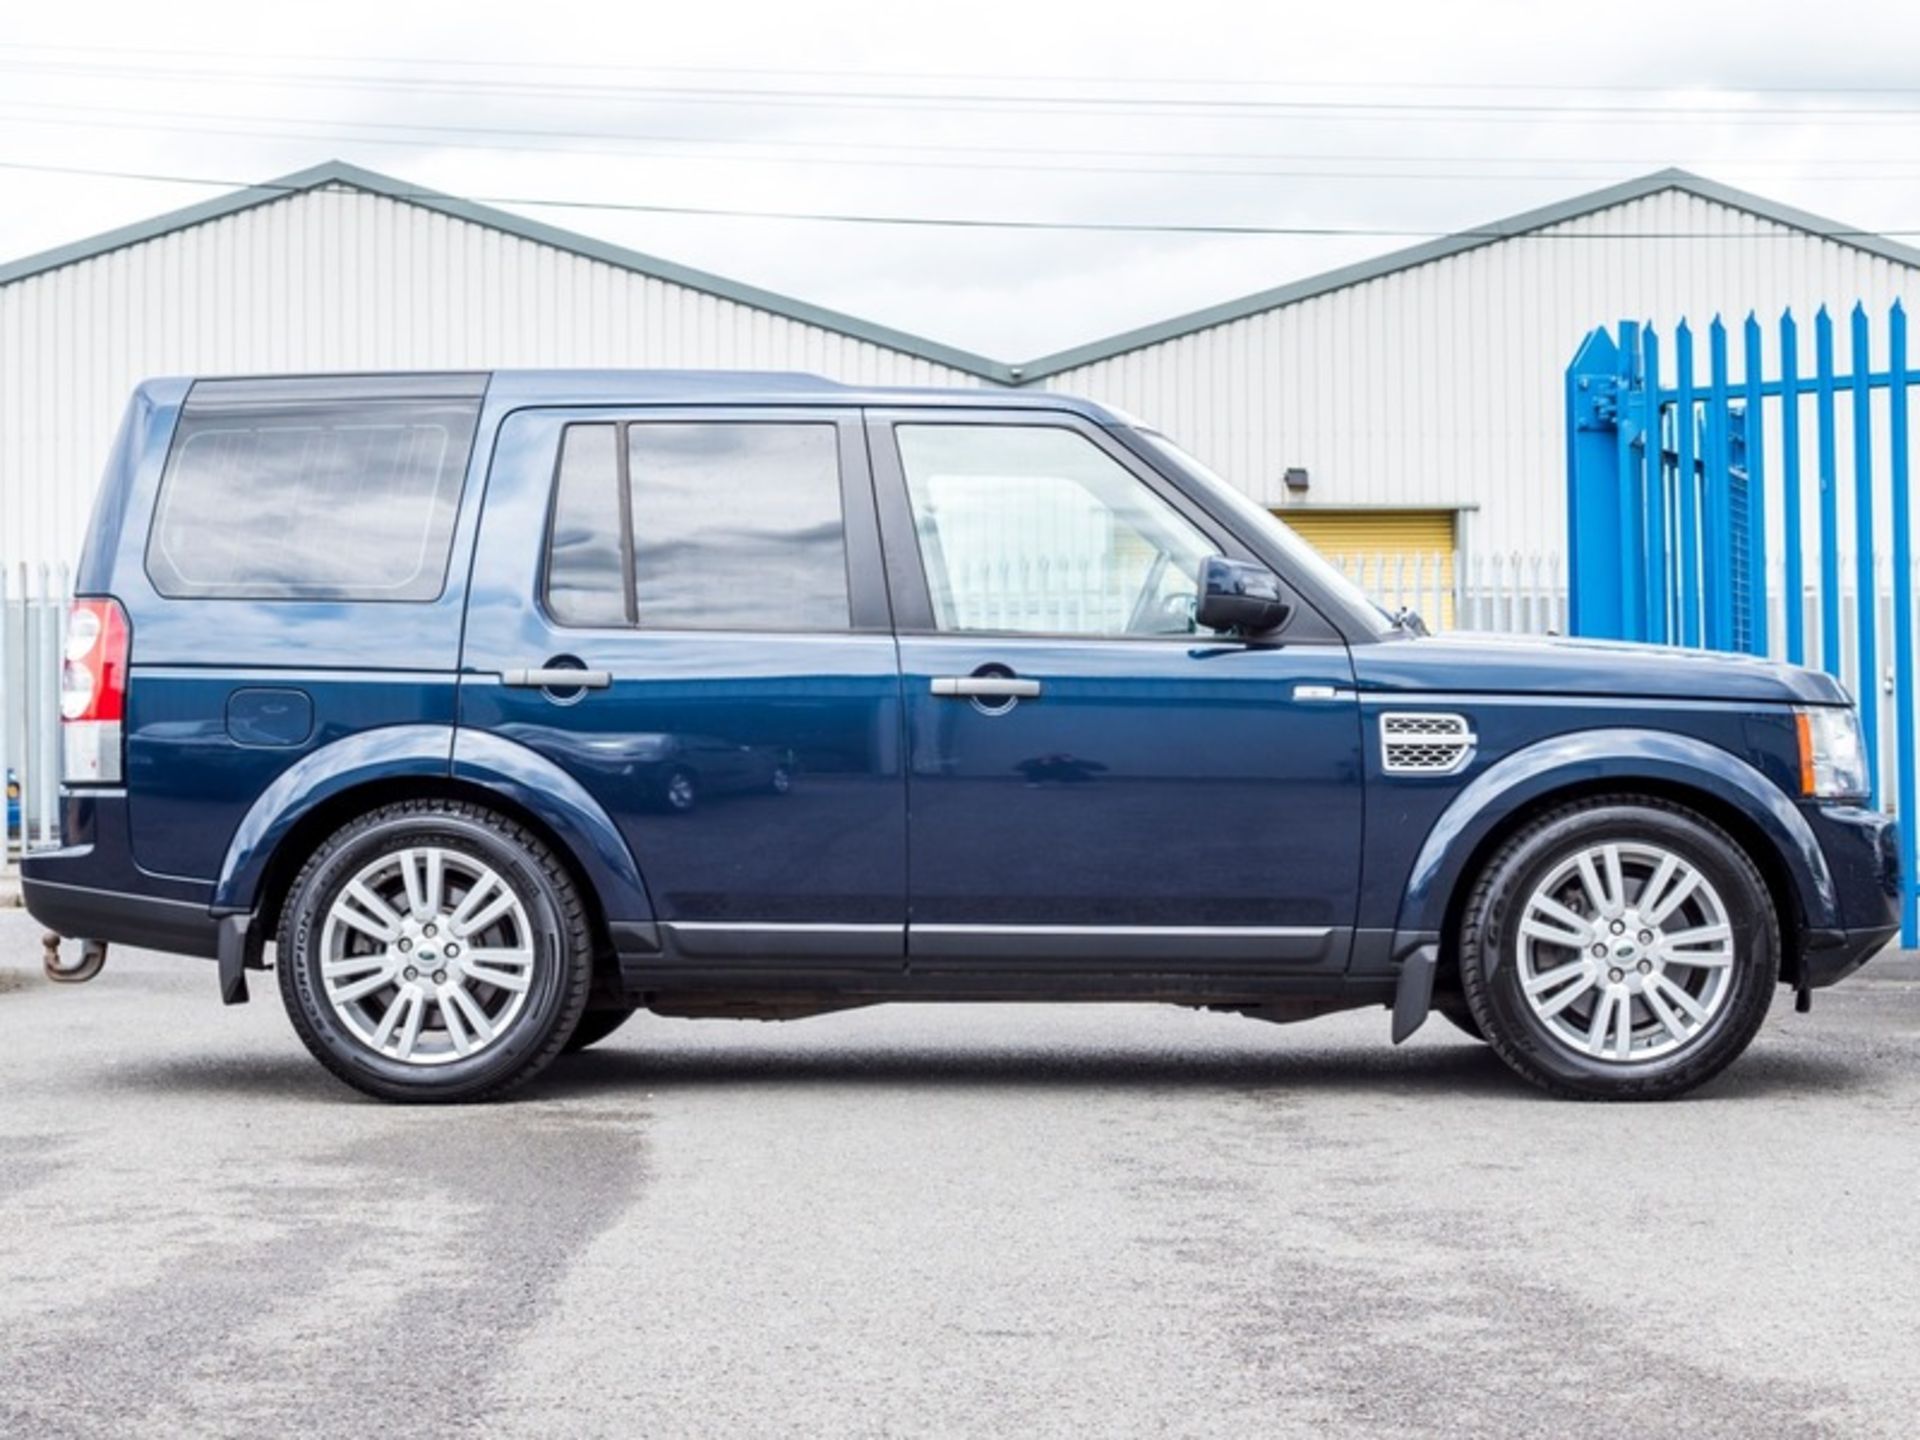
{"x":1522,"y":594}
{"x":33,"y":617}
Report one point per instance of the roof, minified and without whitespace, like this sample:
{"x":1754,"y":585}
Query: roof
{"x":1492,"y":233}
{"x":339,"y":173}
{"x":763,"y":388}
{"x":625,"y":387}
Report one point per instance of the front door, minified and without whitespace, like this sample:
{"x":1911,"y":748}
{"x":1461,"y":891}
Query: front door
{"x":1092,"y":782}
{"x":721,"y":569}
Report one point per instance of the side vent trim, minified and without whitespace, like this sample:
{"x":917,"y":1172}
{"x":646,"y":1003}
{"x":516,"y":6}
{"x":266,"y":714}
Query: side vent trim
{"x":1419,"y":742}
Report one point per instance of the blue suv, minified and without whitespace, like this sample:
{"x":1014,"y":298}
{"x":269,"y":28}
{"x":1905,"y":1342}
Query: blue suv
{"x":503,"y":705}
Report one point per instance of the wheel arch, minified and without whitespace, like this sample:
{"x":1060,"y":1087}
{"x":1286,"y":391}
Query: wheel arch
{"x":330,"y":786}
{"x":1715,"y":784}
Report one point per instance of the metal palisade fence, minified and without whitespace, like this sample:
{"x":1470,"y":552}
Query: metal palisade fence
{"x":1763,"y":509}
{"x":33,"y":617}
{"x":1455,"y":590}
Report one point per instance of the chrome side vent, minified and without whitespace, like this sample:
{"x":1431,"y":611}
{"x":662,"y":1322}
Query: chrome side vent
{"x":1414,"y":743}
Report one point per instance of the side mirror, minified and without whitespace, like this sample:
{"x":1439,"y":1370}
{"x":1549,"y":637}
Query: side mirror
{"x":1237,"y":596}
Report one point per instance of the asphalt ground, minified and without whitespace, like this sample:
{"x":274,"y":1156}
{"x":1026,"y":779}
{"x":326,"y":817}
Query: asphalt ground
{"x":959,"y":1220}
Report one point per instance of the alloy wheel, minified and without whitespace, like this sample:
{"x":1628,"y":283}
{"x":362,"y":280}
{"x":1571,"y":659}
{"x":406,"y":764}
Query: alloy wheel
{"x":1625,"y":952}
{"x":427,"y":955}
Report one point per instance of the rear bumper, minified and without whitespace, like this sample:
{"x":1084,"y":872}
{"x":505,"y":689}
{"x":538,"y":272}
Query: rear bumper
{"x":82,"y":913}
{"x":90,"y":889}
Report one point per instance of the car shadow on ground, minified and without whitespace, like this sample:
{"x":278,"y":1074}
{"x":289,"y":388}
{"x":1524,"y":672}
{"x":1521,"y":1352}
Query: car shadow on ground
{"x":1450,"y":1070}
{"x":1457,"y":1070}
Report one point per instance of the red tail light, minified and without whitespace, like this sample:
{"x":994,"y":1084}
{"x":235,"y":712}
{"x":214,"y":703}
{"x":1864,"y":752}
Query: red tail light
{"x":93,"y":691}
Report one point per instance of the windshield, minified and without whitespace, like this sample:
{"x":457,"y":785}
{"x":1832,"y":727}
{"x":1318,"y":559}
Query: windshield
{"x":1300,"y":555}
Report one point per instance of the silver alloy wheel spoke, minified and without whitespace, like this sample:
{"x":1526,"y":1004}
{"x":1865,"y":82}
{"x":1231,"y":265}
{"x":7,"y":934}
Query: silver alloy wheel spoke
{"x":1625,"y":952}
{"x":427,"y":955}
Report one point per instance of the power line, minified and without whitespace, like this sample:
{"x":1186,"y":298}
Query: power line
{"x":915,"y":154}
{"x":1165,"y":107}
{"x":947,"y":76}
{"x":454,"y":137}
{"x":973,"y":223}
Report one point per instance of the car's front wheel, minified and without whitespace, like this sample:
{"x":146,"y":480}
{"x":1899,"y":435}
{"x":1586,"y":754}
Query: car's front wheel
{"x":434,"y":950}
{"x":597,"y":1025}
{"x":1619,"y":948}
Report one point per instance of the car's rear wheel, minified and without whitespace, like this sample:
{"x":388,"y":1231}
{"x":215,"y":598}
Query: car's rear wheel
{"x":1619,"y":948}
{"x":434,"y":950}
{"x":1457,"y":1015}
{"x":597,"y":1025}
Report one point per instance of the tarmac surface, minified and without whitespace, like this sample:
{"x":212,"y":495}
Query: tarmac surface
{"x":960,"y":1220}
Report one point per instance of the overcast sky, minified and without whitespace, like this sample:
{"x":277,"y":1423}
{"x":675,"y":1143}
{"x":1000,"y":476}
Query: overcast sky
{"x":1419,"y":117}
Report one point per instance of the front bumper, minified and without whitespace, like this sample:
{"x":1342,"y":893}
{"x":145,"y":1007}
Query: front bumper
{"x":1862,"y":850}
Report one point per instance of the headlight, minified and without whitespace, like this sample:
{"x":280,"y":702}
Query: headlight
{"x":1833,"y":757}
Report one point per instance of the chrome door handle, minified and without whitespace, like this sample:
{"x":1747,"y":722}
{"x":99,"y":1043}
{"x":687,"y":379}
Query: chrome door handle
{"x":559,"y":677}
{"x":986,"y":687}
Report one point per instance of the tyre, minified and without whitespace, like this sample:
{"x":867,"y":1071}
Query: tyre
{"x":597,"y":1025}
{"x":433,"y":950}
{"x":1461,"y":1018}
{"x":1621,"y":949}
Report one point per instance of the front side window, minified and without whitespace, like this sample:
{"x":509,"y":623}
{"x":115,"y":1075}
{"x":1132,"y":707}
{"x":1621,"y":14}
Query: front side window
{"x":311,"y":500}
{"x":699,"y":525}
{"x":1033,"y":529}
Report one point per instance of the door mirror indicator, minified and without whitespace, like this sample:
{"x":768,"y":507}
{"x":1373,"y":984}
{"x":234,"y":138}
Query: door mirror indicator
{"x":1235,"y":595}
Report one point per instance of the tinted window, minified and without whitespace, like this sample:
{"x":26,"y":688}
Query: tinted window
{"x":340,"y":500}
{"x":1035,"y":529}
{"x":584,"y":565}
{"x":738,"y":527}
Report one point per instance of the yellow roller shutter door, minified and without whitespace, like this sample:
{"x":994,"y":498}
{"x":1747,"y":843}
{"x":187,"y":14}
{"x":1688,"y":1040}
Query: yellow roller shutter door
{"x":1388,"y":548}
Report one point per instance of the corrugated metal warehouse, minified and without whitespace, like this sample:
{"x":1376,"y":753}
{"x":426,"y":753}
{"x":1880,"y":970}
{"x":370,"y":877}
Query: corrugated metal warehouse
{"x":1420,"y":393}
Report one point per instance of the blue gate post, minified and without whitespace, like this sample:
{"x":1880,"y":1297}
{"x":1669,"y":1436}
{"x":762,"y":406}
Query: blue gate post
{"x":1595,"y":596}
{"x":1795,"y":583}
{"x":1686,"y":537}
{"x":1829,"y":493}
{"x":1865,"y":598}
{"x":1653,"y":473}
{"x":1903,"y":702}
{"x":1720,"y":594}
{"x":1756,"y":491}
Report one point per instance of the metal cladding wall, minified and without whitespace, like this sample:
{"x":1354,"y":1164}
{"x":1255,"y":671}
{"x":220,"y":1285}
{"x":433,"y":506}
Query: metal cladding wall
{"x":339,"y":279}
{"x":1430,"y":380}
{"x":1442,"y":384}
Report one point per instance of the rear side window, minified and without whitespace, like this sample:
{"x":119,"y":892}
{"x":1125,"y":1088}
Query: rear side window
{"x":272,"y":497}
{"x":699,"y":525}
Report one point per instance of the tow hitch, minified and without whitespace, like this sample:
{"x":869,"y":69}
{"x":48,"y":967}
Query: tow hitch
{"x":91,"y":960}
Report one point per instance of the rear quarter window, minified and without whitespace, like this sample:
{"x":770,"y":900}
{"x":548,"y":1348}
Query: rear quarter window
{"x":332,"y":499}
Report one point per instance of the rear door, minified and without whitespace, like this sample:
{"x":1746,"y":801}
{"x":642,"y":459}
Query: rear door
{"x":1094,"y":783}
{"x":717,"y":574}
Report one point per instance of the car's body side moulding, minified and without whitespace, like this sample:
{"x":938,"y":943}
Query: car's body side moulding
{"x":439,"y":753}
{"x":1637,"y":759}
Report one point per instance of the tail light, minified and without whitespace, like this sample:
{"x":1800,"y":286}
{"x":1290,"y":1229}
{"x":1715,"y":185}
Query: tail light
{"x":93,"y":691}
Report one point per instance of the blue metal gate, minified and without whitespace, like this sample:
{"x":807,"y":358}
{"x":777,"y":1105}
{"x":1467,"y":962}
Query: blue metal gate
{"x":1678,"y":492}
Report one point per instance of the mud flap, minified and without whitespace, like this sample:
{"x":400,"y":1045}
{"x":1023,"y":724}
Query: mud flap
{"x":233,"y":958}
{"x":1414,"y":996}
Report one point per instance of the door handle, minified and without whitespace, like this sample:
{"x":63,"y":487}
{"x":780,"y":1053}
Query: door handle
{"x":557,"y":677}
{"x":986,"y":687}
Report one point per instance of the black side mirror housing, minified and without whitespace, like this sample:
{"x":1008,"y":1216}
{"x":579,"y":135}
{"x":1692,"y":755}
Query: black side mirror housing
{"x":1235,"y":595}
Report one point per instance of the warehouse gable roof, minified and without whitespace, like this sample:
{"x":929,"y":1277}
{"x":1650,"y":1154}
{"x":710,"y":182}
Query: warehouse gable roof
{"x":339,"y":173}
{"x":1480,"y":235}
